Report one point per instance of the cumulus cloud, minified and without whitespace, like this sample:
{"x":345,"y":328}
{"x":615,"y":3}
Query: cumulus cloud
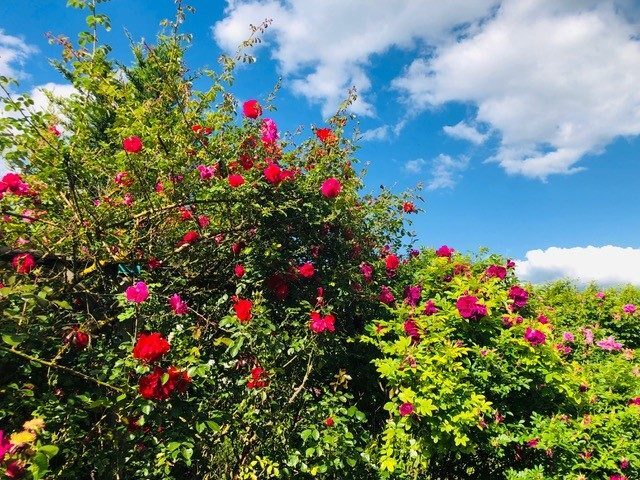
{"x":556,"y":80}
{"x":13,"y":53}
{"x":607,"y":265}
{"x":324,"y":48}
{"x":40,"y":103}
{"x":446,"y":171}
{"x":379,"y":133}
{"x":415,"y":166}
{"x":464,"y":131}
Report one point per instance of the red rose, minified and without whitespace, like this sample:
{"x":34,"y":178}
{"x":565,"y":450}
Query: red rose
{"x":329,"y":422}
{"x":242,"y":308}
{"x":325,"y":135}
{"x":259,"y":378}
{"x":190,"y":237}
{"x":272,"y":173}
{"x":23,"y":263}
{"x":200,"y":130}
{"x":306,"y":270}
{"x":237,"y":247}
{"x":132,"y":144}
{"x":235,"y":180}
{"x":185,"y":214}
{"x":251,"y":109}
{"x":408,"y":207}
{"x":13,"y":183}
{"x":319,"y":323}
{"x":150,"y":347}
{"x":151,"y":386}
{"x":81,"y":339}
{"x":15,"y":469}
{"x":238,"y":271}
{"x":331,"y":187}
{"x":392,"y":262}
{"x":203,"y":221}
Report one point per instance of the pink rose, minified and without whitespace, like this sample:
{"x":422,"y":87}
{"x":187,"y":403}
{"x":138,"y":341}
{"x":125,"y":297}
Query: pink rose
{"x":331,"y":188}
{"x":137,"y":293}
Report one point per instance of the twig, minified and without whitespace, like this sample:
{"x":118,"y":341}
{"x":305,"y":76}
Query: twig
{"x":61,"y":367}
{"x":297,"y":391}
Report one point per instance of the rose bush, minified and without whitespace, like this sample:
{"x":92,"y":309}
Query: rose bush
{"x":489,"y":378}
{"x":188,"y":292}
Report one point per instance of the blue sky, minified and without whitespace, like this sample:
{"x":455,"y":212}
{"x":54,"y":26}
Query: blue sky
{"x":521,"y":118}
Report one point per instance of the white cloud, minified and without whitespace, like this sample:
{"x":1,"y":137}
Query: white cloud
{"x":557,"y":80}
{"x":13,"y":53}
{"x":464,"y":131}
{"x":415,"y":166}
{"x":379,"y":133}
{"x":40,"y":103}
{"x":446,"y":171}
{"x":323,"y":48}
{"x":607,"y":265}
{"x":40,"y":100}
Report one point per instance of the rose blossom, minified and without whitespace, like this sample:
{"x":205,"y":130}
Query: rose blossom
{"x":519,"y":296}
{"x":408,"y":207}
{"x":468,"y":307}
{"x":23,"y":263}
{"x":150,"y":347}
{"x":235,"y":180}
{"x":152,"y":387}
{"x":411,"y":329}
{"x":137,"y":293}
{"x":405,"y":409}
{"x":268,"y":131}
{"x":238,"y":270}
{"x":325,"y":135}
{"x":367,"y":271}
{"x":251,"y":109}
{"x":259,"y":378}
{"x":629,"y":308}
{"x":609,"y":344}
{"x":132,"y":144}
{"x":385,"y":295}
{"x":588,"y":336}
{"x":391,"y":262}
{"x":496,"y":271}
{"x":5,"y":445}
{"x":306,"y":270}
{"x":319,"y":323}
{"x":178,"y":305}
{"x":242,"y":307}
{"x":188,"y":238}
{"x":430,"y":308}
{"x":206,"y":173}
{"x":412,"y":294}
{"x":331,"y":188}
{"x":12,"y":182}
{"x":445,"y":251}
{"x":534,"y":337}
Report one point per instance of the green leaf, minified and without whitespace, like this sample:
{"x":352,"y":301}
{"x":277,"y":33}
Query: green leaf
{"x":49,"y":450}
{"x":13,"y":339}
